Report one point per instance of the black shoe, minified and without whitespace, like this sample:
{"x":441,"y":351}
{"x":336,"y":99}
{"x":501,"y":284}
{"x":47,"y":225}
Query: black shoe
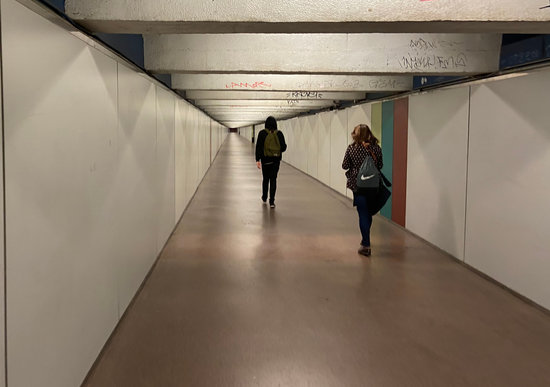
{"x":364,"y":250}
{"x":264,"y":199}
{"x":272,"y":205}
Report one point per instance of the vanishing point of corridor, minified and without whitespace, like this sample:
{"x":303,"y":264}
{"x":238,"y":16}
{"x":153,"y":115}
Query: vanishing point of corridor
{"x":245,"y":295}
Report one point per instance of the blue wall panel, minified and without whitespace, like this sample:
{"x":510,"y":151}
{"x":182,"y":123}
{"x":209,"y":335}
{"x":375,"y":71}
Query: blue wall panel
{"x":522,"y":52}
{"x":547,"y":46}
{"x":129,"y":45}
{"x":57,"y":4}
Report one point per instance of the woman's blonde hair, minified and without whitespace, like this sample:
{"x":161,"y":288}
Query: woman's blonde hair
{"x":364,"y":135}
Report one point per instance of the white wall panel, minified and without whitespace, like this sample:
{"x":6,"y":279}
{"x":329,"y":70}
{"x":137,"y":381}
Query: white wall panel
{"x":192,"y":161}
{"x":136,"y":179}
{"x":249,"y":133}
{"x":180,"y":159}
{"x":200,"y":146}
{"x":289,"y":138}
{"x":301,"y":148}
{"x":436,"y":171}
{"x":213,"y":140}
{"x":205,"y":144}
{"x":2,"y":267}
{"x":219,"y":136}
{"x":294,"y":152}
{"x":312,"y":139}
{"x":61,"y":153}
{"x":360,"y":114}
{"x":246,"y":132}
{"x":292,"y":145}
{"x":508,"y":213}
{"x":204,"y":154}
{"x":197,"y":128}
{"x":338,"y":143}
{"x":286,"y":128}
{"x":323,"y":155}
{"x":165,"y":164}
{"x":295,"y":145}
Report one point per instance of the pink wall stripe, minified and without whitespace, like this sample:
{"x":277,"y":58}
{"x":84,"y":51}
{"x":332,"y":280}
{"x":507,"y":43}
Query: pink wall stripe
{"x":399,"y":175}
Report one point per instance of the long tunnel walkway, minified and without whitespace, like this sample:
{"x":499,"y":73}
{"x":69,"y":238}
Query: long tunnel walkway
{"x":245,"y":295}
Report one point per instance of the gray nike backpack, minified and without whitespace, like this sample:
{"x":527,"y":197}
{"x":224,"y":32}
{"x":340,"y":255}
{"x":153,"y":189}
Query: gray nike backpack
{"x":368,"y":177}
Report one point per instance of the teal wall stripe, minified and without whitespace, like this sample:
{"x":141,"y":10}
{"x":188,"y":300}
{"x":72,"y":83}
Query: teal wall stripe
{"x":387,"y":149}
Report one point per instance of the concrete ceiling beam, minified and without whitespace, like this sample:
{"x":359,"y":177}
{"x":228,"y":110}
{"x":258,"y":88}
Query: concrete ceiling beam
{"x":280,"y":95}
{"x":292,"y":82}
{"x":261,"y":110}
{"x":304,"y":16}
{"x":241,"y":123}
{"x":358,"y":54}
{"x":262,"y":103}
{"x":265,"y":111}
{"x":251,"y":117}
{"x":256,"y":116}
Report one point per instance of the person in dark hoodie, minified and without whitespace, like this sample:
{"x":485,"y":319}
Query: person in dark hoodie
{"x":270,"y":145}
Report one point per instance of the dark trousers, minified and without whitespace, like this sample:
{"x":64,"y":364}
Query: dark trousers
{"x":269,"y":172}
{"x":365,"y":218}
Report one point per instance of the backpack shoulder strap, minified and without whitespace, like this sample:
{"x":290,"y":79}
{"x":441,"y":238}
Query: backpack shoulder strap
{"x":371,"y":154}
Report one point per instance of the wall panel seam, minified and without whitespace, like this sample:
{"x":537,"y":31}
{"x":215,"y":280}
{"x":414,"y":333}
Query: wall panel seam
{"x":117,"y":284}
{"x":467,"y":169}
{"x":4,"y":236}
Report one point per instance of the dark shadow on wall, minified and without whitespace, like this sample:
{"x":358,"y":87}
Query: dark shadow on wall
{"x":57,"y":4}
{"x":131,"y":45}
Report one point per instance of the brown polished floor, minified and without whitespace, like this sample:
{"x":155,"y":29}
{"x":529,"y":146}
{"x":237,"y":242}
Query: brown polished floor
{"x":248,"y":296}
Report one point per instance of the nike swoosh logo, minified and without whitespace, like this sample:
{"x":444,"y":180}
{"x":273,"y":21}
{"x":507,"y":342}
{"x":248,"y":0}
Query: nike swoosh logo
{"x":366,"y":177}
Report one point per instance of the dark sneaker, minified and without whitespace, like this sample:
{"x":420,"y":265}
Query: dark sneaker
{"x":272,"y":205}
{"x":364,"y":250}
{"x":264,"y":199}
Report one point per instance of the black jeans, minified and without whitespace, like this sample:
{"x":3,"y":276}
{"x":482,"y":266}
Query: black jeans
{"x":269,"y":172}
{"x":361,"y":202}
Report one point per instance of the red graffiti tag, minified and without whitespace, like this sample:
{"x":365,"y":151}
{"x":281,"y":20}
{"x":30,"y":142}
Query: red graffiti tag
{"x":246,"y":85}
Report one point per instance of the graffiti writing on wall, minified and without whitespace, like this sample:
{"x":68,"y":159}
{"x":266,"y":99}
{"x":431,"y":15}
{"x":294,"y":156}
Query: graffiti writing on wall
{"x":388,"y":84}
{"x":293,"y":102}
{"x":433,"y":62}
{"x":246,"y":85}
{"x":423,"y":44}
{"x":304,"y":95}
{"x":330,"y":84}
